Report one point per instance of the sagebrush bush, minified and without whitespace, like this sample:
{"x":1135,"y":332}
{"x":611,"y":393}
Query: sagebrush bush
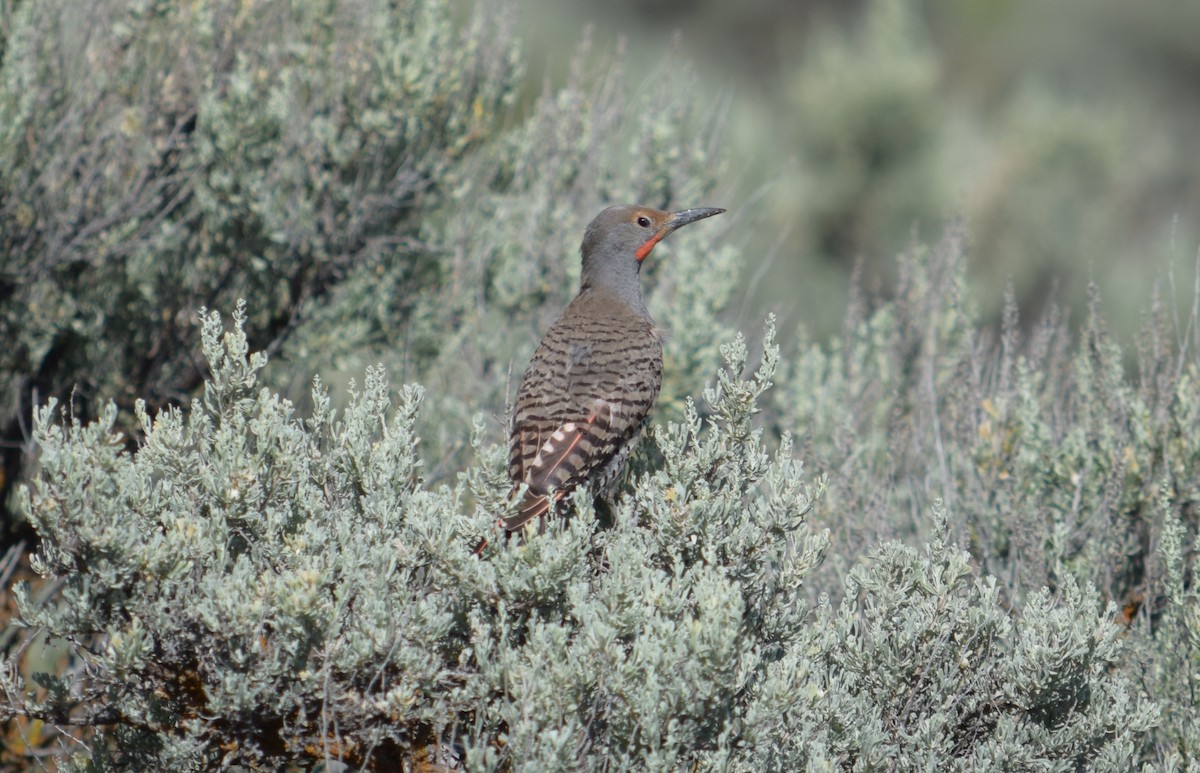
{"x":158,"y":157}
{"x":255,"y":588}
{"x":1048,"y":455}
{"x":1057,"y":467}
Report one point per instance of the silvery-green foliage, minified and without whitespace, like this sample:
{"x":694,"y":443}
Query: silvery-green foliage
{"x":1052,"y":456}
{"x":156,"y":157}
{"x":254,"y":588}
{"x":1047,"y":454}
{"x":222,"y":580}
{"x":921,"y":667}
{"x":700,"y":503}
{"x":249,"y":585}
{"x":1170,"y":645}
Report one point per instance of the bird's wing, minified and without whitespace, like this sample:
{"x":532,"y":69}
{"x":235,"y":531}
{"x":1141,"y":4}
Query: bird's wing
{"x":571,"y":420}
{"x":561,"y":463}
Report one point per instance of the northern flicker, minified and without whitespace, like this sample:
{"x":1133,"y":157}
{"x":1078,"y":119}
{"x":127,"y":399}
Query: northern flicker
{"x":597,"y":372}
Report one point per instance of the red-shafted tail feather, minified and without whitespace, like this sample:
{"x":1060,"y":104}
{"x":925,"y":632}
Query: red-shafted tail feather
{"x":532,"y":506}
{"x":549,"y":469}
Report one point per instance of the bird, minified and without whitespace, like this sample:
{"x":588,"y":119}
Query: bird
{"x":596,"y":374}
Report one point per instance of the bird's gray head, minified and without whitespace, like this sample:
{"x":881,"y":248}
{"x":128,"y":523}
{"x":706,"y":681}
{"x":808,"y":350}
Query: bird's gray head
{"x":619,"y":239}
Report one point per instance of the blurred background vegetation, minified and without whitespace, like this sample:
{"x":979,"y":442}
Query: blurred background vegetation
{"x":1064,"y":133}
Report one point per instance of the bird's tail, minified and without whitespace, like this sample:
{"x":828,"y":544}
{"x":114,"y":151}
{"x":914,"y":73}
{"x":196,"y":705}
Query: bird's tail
{"x":533,"y":505}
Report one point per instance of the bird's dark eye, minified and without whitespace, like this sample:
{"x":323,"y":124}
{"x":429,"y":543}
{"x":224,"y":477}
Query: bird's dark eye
{"x":643,"y":221}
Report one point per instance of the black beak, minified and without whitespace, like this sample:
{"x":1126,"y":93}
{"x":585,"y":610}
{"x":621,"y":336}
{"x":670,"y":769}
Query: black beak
{"x":685,"y":216}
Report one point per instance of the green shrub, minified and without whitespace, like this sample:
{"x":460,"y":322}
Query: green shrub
{"x":1058,"y":468}
{"x":156,"y":157}
{"x":254,"y":588}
